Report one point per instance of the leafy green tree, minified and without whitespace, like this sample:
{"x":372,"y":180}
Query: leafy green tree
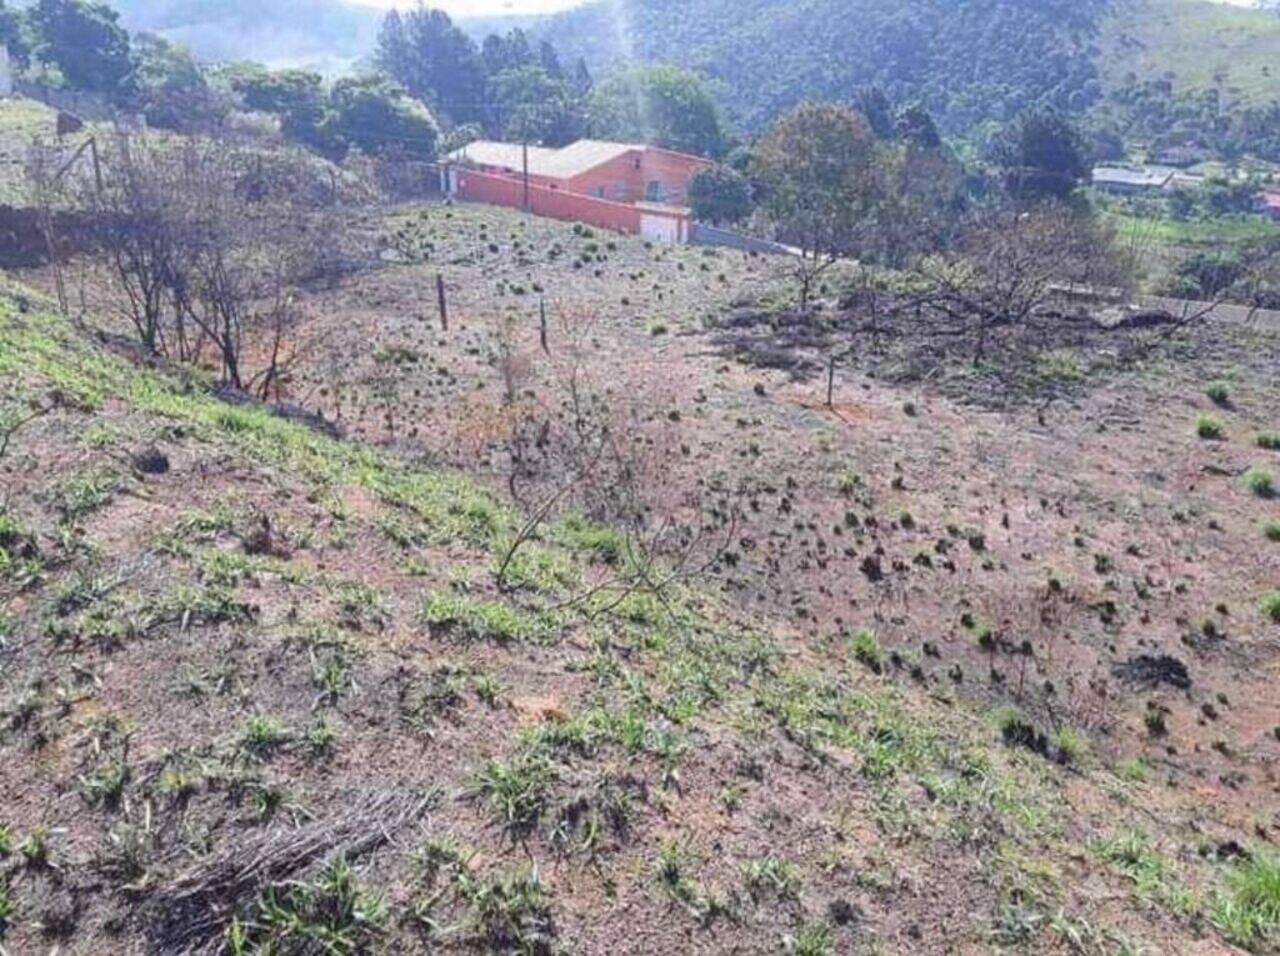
{"x":875,"y":106}
{"x":720,"y":194}
{"x":531,"y":105}
{"x":662,"y":105}
{"x":915,"y":126}
{"x":171,"y":88}
{"x":510,"y":52}
{"x":549,"y":60}
{"x":84,"y":41}
{"x":277,"y":91}
{"x":298,"y":97}
{"x":582,"y":83}
{"x":1205,"y":275}
{"x":13,"y":34}
{"x":434,"y":61}
{"x":377,"y":116}
{"x":818,"y":168}
{"x":1041,"y":156}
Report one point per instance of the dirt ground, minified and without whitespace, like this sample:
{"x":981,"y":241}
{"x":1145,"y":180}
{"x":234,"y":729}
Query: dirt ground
{"x":734,"y":775}
{"x":1152,"y":542}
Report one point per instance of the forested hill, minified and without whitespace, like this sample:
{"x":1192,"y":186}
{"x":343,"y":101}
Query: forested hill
{"x":330,"y":33}
{"x":968,"y":61}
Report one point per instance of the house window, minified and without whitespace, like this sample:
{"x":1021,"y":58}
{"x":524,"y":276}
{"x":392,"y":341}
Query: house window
{"x":602,"y":192}
{"x":654,"y":192}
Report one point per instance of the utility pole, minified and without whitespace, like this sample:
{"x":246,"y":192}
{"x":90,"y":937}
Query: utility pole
{"x":525,"y":139}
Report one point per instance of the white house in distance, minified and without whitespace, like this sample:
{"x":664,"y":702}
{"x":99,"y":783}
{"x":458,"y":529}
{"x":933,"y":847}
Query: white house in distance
{"x":1127,"y":180}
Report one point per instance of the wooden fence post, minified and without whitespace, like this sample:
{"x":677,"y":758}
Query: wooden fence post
{"x":444,"y":304}
{"x":542,"y":326}
{"x":831,"y":382}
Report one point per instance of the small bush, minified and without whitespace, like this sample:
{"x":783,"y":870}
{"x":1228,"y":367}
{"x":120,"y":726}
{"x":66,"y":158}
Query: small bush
{"x":262,"y":737}
{"x":517,"y":789}
{"x":866,"y":650}
{"x":1136,"y":770}
{"x":1272,"y":530}
{"x":1270,"y":441}
{"x":1208,"y":428}
{"x":1072,"y":745}
{"x":1219,"y":393}
{"x":1261,"y":482}
{"x":1271,"y":606}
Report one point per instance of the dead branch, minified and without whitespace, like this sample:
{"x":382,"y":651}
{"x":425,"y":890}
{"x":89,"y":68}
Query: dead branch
{"x":190,"y":913}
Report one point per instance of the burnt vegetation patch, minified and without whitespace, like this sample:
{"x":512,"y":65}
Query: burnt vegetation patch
{"x":1153,"y":671}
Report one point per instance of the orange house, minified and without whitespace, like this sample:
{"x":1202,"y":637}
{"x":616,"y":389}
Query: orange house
{"x":630,"y":188}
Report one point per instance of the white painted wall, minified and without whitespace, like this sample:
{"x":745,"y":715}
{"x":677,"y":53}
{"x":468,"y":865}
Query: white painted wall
{"x":664,"y":229}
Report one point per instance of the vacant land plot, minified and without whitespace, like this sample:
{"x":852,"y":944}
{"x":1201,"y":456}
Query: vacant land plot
{"x":262,"y":685}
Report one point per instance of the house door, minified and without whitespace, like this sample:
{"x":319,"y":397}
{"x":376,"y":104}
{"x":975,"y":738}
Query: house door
{"x":664,"y":229}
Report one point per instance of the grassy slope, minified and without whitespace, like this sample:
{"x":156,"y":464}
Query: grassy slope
{"x":1200,"y":45}
{"x":679,"y":778}
{"x":21,"y":121}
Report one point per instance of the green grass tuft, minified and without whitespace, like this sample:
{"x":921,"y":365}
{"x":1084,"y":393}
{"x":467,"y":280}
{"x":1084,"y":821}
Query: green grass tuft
{"x":517,"y":790}
{"x":1261,"y":482}
{"x":867,"y":651}
{"x":1249,"y":911}
{"x":1270,"y":605}
{"x":472,"y":620}
{"x":1208,"y":428}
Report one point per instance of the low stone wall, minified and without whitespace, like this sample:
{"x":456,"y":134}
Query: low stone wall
{"x":704,"y":235}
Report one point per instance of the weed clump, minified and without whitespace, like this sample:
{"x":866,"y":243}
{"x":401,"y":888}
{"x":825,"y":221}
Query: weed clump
{"x":517,"y":790}
{"x":1271,"y":606}
{"x":331,"y":914}
{"x":867,"y":651}
{"x":1261,"y":482}
{"x":1249,"y":911}
{"x":476,"y":620}
{"x":1208,"y":427}
{"x":511,"y":912}
{"x":770,"y":876}
{"x":1219,"y":393}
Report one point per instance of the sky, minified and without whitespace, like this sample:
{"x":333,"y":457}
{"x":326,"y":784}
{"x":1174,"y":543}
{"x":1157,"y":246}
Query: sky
{"x":483,"y":8}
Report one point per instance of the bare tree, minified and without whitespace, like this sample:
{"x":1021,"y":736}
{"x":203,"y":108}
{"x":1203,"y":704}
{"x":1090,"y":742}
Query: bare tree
{"x":574,"y":445}
{"x":1009,"y":266}
{"x":208,"y":243}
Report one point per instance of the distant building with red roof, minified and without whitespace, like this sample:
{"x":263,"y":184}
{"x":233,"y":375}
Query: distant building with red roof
{"x":628,"y":187}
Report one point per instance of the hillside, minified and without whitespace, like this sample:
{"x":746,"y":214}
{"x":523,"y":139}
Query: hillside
{"x":258,"y":681}
{"x":970,"y":63}
{"x":326,"y":34}
{"x":1195,"y":44}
